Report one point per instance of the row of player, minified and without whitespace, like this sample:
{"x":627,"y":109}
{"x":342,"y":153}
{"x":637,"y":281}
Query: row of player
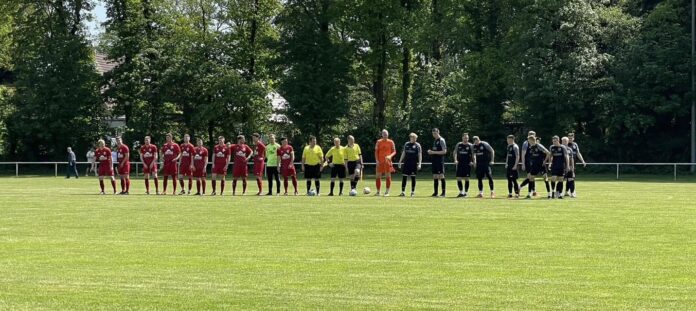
{"x":345,"y":162}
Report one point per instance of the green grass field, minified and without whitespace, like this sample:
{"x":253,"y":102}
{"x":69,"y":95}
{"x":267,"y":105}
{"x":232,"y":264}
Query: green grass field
{"x":620,"y":245}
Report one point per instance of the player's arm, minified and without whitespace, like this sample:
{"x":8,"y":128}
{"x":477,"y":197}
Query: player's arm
{"x":178,"y":156}
{"x":154,"y":161}
{"x":393,"y":151}
{"x":304,"y":158}
{"x":454,"y":154}
{"x":403,"y":155}
{"x":126,"y":156}
{"x":420,"y":156}
{"x":517,"y":157}
{"x":329,"y":157}
{"x":228,"y":158}
{"x":444,"y":148}
{"x":523,"y":152}
{"x":567,"y":158}
{"x":250,"y":153}
{"x":490,"y":149}
{"x":582,"y":160}
{"x":377,"y":152}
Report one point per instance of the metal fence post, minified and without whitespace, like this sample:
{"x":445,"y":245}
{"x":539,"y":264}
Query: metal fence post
{"x":617,"y":171}
{"x":675,"y":172}
{"x":136,"y":169}
{"x":56,"y":168}
{"x":16,"y":169}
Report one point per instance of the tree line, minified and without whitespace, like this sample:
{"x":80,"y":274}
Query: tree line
{"x":615,"y":72}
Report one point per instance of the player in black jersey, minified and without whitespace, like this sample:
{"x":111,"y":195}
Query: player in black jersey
{"x":512,"y":159}
{"x":577,"y":158}
{"x":410,"y":163}
{"x":485,"y":156}
{"x":524,"y":154}
{"x":437,"y":156}
{"x":464,"y":159}
{"x":535,"y":166}
{"x":560,"y":165}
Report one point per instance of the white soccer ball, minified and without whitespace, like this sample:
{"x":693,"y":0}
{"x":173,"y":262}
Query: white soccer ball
{"x":367,"y":190}
{"x":311,"y":193}
{"x":353,"y":192}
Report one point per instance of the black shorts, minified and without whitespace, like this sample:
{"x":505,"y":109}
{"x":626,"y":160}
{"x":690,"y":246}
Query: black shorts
{"x":510,"y":173}
{"x":352,"y":165}
{"x":438,"y":167}
{"x":558,"y":171}
{"x":271,"y":170}
{"x":463,"y":169}
{"x":338,"y":170}
{"x":481,"y":171}
{"x":570,"y":174}
{"x":410,"y":168}
{"x":535,"y":169}
{"x":312,"y":171}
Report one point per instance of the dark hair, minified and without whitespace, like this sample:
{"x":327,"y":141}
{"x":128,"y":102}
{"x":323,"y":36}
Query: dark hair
{"x":256,"y":135}
{"x":436,"y":130}
{"x":511,"y":136}
{"x":312,"y":137}
{"x":283,"y":138}
{"x":240,"y":137}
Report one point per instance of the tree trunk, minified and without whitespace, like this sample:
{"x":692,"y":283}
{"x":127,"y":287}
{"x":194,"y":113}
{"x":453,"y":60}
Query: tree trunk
{"x":437,"y":18}
{"x":252,"y":40}
{"x":378,"y":84}
{"x":405,"y":83}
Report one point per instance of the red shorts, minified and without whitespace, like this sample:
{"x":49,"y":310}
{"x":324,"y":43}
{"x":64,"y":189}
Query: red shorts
{"x":146,"y":169}
{"x":259,"y":168}
{"x":240,"y":170}
{"x":288,"y":171}
{"x":125,"y":170}
{"x":170,"y":169}
{"x":385,"y":167}
{"x":106,"y":170}
{"x":199,"y":172}
{"x":185,"y":170}
{"x":220,"y":169}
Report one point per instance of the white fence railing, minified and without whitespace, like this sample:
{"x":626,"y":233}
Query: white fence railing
{"x":137,"y":165}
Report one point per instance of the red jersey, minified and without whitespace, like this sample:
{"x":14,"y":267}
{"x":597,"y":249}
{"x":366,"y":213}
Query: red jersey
{"x":103,"y":156}
{"x":285,"y":153}
{"x":123,"y":152}
{"x":200,"y":154}
{"x":187,"y":152}
{"x":220,"y":154}
{"x":169,"y":152}
{"x":259,"y":152}
{"x":241,"y":152}
{"x":148,"y":153}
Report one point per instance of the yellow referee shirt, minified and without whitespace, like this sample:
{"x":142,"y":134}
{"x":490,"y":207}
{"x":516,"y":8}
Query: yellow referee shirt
{"x":337,"y":155}
{"x":352,"y":153}
{"x":312,"y":156}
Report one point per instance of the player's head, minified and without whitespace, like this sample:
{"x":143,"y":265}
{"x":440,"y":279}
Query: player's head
{"x":284,"y":141}
{"x":272,"y":138}
{"x":187,"y":138}
{"x":510,"y":139}
{"x":169,"y":137}
{"x":240,"y":139}
{"x":531,"y":140}
{"x":412,"y":137}
{"x":337,"y":142}
{"x":436,"y":132}
{"x":312,"y":140}
{"x":571,"y":137}
{"x":350,"y":139}
{"x":221,"y":140}
{"x":199,"y":142}
{"x":465,"y":137}
{"x":556,"y":140}
{"x":119,"y":140}
{"x":385,"y":134}
{"x":147,"y":140}
{"x":255,"y":137}
{"x":531,"y":133}
{"x":565,"y":141}
{"x":69,"y":149}
{"x":477,"y":140}
{"x":101,"y":143}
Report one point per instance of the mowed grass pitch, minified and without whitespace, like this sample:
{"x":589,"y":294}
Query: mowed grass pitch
{"x":621,"y":245}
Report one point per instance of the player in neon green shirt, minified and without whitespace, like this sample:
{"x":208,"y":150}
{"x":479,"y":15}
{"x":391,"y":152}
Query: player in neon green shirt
{"x":272,"y":164}
{"x":336,"y":159}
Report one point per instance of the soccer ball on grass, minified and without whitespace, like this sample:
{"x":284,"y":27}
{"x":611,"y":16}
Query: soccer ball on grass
{"x":367,"y":190}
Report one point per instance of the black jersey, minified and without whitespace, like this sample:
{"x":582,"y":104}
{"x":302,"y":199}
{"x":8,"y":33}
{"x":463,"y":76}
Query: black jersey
{"x":483,"y":153}
{"x":411,"y":152}
{"x":574,"y":149}
{"x":438,"y":145}
{"x":558,"y":154}
{"x":464,"y":152}
{"x":537,"y":154}
{"x":512,"y":152}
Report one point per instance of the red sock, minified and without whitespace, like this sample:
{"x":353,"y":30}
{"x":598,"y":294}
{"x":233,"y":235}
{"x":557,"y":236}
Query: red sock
{"x":388,"y":182}
{"x":123,"y":185}
{"x":244,"y":185}
{"x":259,"y":183}
{"x":147,"y":184}
{"x":203,"y":182}
{"x":174,"y":184}
{"x":285,"y":184}
{"x":164,"y":188}
{"x":214,"y":184}
{"x":156,"y":184}
{"x":294,"y":182}
{"x":101,"y":185}
{"x":181,"y":183}
{"x":190,"y":183}
{"x":222,"y":186}
{"x":113,"y":185}
{"x":379,"y":184}
{"x":128,"y":185}
{"x":234,"y":186}
{"x":198,"y":186}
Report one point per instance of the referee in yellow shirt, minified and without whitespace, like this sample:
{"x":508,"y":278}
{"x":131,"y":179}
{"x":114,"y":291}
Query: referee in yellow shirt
{"x":312,"y":161}
{"x":354,"y":161}
{"x":336,"y":159}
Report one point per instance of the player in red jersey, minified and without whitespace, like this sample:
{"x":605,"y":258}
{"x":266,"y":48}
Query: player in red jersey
{"x":148,"y":157}
{"x":221,"y":160}
{"x":259,"y":155}
{"x":106,"y":167}
{"x":123,"y":156}
{"x":287,"y":164}
{"x":242,"y":153}
{"x":186,"y":163}
{"x":200,"y":163}
{"x":171,"y":152}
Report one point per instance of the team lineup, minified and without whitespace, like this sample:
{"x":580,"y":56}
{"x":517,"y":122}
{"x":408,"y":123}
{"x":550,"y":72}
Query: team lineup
{"x":555,"y":165}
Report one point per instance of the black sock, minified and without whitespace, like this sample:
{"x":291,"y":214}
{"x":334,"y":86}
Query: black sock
{"x":403,"y":183}
{"x":524,"y":183}
{"x":509,"y":184}
{"x":490,"y":182}
{"x":532,"y":186}
{"x":567,"y":186}
{"x":553,"y":186}
{"x":340,"y":187}
{"x":559,"y":187}
{"x":444,"y":188}
{"x":572,"y":186}
{"x":517,"y":186}
{"x":317,"y":184}
{"x":480,"y":185}
{"x":413,"y":183}
{"x":353,"y":183}
{"x":333,"y":183}
{"x":436,"y":185}
{"x":548,"y":188}
{"x":309,"y":184}
{"x":460,"y":186}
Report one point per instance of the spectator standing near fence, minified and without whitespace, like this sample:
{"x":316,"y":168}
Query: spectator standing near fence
{"x":72,"y":164}
{"x":92,"y":165}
